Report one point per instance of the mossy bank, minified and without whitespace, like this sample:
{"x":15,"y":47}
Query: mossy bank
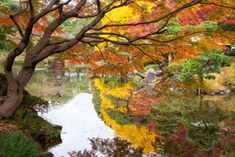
{"x":26,"y":134}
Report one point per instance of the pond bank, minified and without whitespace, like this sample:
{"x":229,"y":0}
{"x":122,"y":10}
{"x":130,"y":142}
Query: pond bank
{"x":35,"y":130}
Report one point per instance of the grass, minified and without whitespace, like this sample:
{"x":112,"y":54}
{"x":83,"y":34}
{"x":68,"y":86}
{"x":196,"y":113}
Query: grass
{"x":16,"y":144}
{"x":29,"y":124}
{"x":35,"y":126}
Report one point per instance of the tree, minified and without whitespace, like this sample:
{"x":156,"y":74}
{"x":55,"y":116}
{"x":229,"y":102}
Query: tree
{"x":39,"y":23}
{"x":6,"y":26}
{"x":197,"y":69}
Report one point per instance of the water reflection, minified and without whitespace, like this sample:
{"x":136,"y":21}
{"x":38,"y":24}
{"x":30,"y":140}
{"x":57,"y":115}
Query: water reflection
{"x":172,"y":123}
{"x":80,"y":122}
{"x":118,"y":115}
{"x":57,"y":84}
{"x":115,"y":147}
{"x":46,"y":85}
{"x":167,"y":123}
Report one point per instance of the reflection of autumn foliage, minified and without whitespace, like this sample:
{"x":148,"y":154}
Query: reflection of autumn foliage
{"x":140,"y":136}
{"x":141,"y":102}
{"x":179,"y":136}
{"x":188,"y":132}
{"x":121,"y":92}
{"x":227,"y":133}
{"x":226,"y":141}
{"x":152,"y":126}
{"x":178,"y":144}
{"x":229,"y":21}
{"x":109,"y":147}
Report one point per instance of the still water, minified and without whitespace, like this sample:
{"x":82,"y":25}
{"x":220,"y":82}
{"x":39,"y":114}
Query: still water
{"x":169,"y":124}
{"x":80,"y":122}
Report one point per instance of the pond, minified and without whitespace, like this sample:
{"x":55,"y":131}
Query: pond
{"x":80,"y":122}
{"x":112,"y":117}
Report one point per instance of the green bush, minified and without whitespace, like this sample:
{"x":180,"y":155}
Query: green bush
{"x":197,"y":69}
{"x":17,"y":145}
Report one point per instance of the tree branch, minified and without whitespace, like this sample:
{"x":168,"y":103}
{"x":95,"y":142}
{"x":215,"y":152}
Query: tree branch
{"x":219,"y":5}
{"x":32,"y":10}
{"x":17,"y":25}
{"x":98,"y":6}
{"x":185,"y":6}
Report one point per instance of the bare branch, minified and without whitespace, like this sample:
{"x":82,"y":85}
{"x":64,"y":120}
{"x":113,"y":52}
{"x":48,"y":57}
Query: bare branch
{"x":49,"y":9}
{"x":58,"y":42}
{"x":145,"y":53}
{"x":98,"y":6}
{"x":17,"y":25}
{"x":219,"y":5}
{"x":68,"y":44}
{"x":110,"y":34}
{"x":102,"y":55}
{"x":80,"y":5}
{"x":32,"y":10}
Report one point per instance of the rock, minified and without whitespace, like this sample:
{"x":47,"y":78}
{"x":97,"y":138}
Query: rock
{"x":57,"y":126}
{"x":228,"y":91}
{"x":171,"y":89}
{"x":150,"y":75}
{"x":219,"y":92}
{"x":211,"y":93}
{"x":222,"y":93}
{"x":46,"y":154}
{"x":159,"y":72}
{"x":40,"y":137}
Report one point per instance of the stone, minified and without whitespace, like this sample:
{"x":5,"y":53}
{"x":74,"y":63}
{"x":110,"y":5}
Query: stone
{"x":222,"y":92}
{"x":228,"y":91}
{"x":159,"y":72}
{"x":171,"y":89}
{"x":57,"y":126}
{"x":150,"y":75}
{"x":46,"y":154}
{"x":40,"y":137}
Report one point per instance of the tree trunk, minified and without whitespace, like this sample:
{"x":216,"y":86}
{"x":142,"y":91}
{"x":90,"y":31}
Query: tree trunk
{"x":11,"y":103}
{"x":15,"y":90}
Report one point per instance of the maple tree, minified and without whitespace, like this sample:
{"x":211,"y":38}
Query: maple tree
{"x":114,"y":38}
{"x":6,"y":26}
